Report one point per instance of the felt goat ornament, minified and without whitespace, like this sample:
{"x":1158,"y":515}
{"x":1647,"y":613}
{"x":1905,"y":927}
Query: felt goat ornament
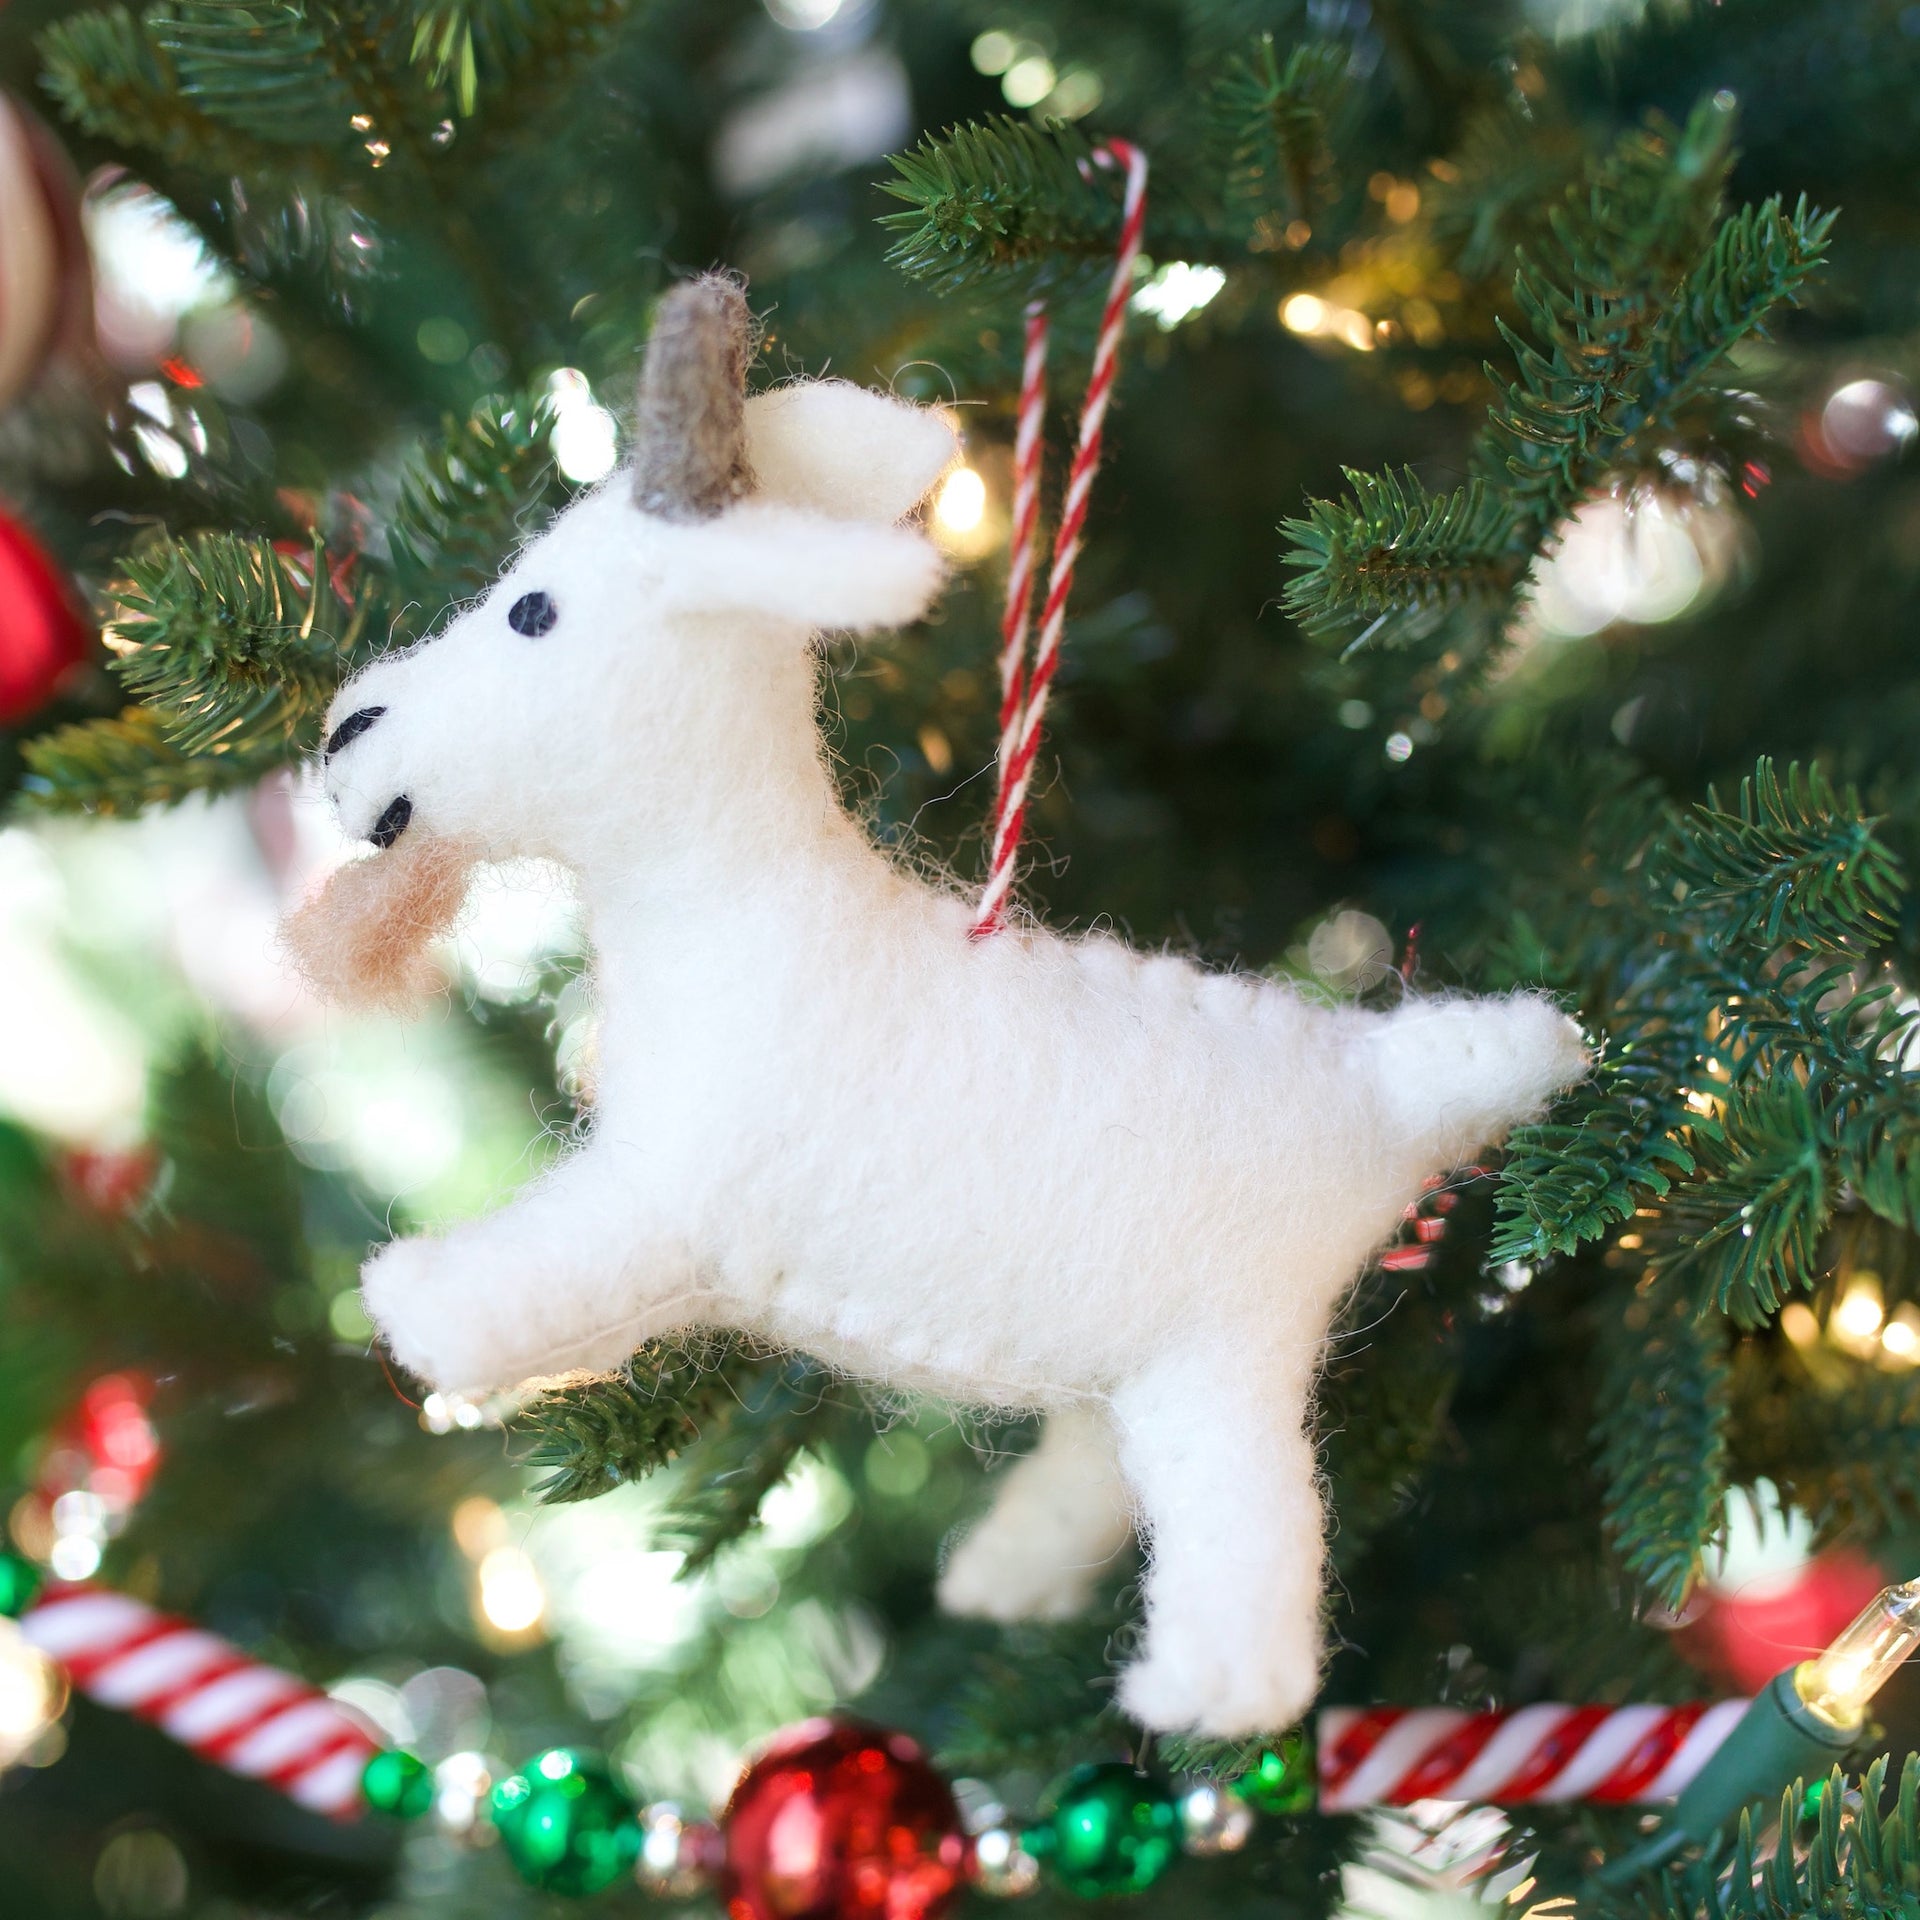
{"x":1025,"y":1172}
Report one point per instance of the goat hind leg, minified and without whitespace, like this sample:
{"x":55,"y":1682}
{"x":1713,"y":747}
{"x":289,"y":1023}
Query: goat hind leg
{"x":1216,"y":1449}
{"x":1059,"y":1516}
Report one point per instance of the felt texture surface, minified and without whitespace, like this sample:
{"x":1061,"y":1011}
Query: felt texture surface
{"x":1028,"y":1172}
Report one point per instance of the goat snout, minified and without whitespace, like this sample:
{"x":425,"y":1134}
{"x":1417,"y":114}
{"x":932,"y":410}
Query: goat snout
{"x":350,"y":729}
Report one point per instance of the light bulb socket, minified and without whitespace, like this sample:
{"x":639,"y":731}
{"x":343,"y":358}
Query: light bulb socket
{"x":1779,"y":1739}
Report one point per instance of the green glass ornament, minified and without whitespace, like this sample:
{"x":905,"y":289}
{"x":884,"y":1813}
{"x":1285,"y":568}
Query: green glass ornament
{"x":398,"y":1783}
{"x":19,"y":1585}
{"x":1106,"y":1829}
{"x":566,"y":1826}
{"x":1282,"y":1779}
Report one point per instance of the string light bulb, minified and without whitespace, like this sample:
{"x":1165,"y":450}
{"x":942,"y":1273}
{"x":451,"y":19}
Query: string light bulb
{"x":1840,"y":1684}
{"x":1798,"y":1726}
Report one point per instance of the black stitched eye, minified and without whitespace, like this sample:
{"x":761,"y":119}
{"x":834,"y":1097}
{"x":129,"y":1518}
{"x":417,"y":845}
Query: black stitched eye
{"x":533,"y":614}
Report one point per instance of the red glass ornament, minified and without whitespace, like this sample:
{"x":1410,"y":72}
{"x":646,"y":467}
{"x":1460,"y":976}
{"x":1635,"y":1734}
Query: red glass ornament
{"x":41,"y":632}
{"x":837,"y":1820}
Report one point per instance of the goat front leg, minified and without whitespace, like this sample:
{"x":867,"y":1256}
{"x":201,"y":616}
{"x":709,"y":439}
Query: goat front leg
{"x":568,"y":1275}
{"x":1059,"y":1516}
{"x":1215,"y":1446}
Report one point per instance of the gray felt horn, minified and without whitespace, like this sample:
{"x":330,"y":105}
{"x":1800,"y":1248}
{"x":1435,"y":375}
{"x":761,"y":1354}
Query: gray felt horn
{"x":690,"y":423}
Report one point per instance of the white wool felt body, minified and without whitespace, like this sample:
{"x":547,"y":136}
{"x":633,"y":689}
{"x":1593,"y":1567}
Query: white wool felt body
{"x":1026,"y":1172}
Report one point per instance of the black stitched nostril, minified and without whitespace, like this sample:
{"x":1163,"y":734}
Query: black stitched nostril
{"x":393,"y":823}
{"x":351,"y":728}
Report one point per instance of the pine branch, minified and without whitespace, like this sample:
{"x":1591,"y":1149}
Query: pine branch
{"x":113,"y":80}
{"x":1636,"y":294}
{"x":1662,"y":1442}
{"x":1273,"y":123}
{"x":1839,"y":1449}
{"x":1621,"y":1141}
{"x":1392,"y":549}
{"x":1863,"y":1860}
{"x":260,"y":66}
{"x":591,"y":1438}
{"x":467,"y":498}
{"x":1747,"y":1230}
{"x":237,"y":653}
{"x":752,"y":1447}
{"x":998,"y":198}
{"x":1796,"y":863}
{"x":504,"y":55}
{"x":1042,"y":1700}
{"x":123,"y":766}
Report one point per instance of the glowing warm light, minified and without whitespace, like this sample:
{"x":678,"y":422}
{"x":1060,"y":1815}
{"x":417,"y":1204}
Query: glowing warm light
{"x":994,"y":52}
{"x":1799,"y":1323}
{"x":1900,"y":1338}
{"x":511,"y":1595}
{"x":1859,"y":1315}
{"x":1839,"y":1684}
{"x":479,"y":1526}
{"x":962,"y":504}
{"x":33,"y":1694}
{"x":1356,"y":330}
{"x":1303,"y":313}
{"x":1028,"y":81}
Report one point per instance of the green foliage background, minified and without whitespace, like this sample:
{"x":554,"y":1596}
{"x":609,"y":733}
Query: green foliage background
{"x":1300,"y":676}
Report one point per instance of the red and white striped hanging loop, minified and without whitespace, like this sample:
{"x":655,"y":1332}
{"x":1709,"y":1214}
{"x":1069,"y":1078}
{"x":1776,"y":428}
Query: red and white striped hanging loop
{"x":249,"y":1718}
{"x":1394,"y":1756}
{"x":1024,"y":687}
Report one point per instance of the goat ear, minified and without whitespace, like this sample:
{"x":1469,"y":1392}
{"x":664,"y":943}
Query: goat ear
{"x":800,"y":567}
{"x":837,"y":449}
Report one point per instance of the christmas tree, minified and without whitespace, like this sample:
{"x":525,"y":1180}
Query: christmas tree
{"x":1495,"y":579}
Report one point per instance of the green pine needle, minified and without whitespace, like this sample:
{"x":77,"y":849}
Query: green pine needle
{"x":1662,"y":1442}
{"x":588,"y":1439}
{"x":1392,"y":549}
{"x":1797,"y":862}
{"x":467,"y":499}
{"x":999,"y":197}
{"x":1273,"y":122}
{"x":260,"y":66}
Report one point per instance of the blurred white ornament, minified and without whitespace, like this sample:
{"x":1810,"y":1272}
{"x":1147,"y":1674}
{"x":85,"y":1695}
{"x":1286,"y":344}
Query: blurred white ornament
{"x":1764,"y":1547}
{"x":238,"y":352}
{"x":1864,"y":421}
{"x":151,"y":268}
{"x":1213,"y":1820}
{"x":1351,"y":949}
{"x":837,"y":111}
{"x":1616,"y":559}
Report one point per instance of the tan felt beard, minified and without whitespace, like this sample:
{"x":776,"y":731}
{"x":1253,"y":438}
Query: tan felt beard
{"x":362,"y":939}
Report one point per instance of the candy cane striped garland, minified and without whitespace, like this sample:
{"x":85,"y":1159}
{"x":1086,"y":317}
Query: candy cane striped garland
{"x":251,"y":1719}
{"x":1023,"y":690}
{"x":1393,"y":1756}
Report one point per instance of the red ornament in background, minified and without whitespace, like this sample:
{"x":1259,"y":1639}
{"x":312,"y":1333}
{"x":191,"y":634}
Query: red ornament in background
{"x":1748,"y":1636}
{"x":840,"y":1821}
{"x":42,"y":636}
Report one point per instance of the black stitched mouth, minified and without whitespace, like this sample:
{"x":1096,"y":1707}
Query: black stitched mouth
{"x":393,"y":823}
{"x":350,"y":729}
